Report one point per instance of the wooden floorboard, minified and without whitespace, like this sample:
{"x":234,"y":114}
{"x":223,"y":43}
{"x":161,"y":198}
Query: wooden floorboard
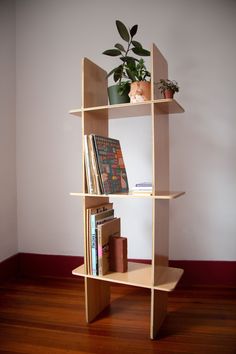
{"x":47,"y":316}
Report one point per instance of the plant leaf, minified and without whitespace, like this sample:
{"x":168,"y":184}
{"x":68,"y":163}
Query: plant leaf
{"x":112,"y":71}
{"x":128,"y":59}
{"x":137,"y":44}
{"x":141,"y":51}
{"x":120,"y":47}
{"x":112,"y":52}
{"x":130,"y":75}
{"x":117,"y":76}
{"x":122,"y":30}
{"x":133,"y":30}
{"x":118,"y":73}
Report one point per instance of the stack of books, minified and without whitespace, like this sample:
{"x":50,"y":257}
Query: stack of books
{"x":104,"y":165}
{"x":142,"y":188}
{"x":102,"y":226}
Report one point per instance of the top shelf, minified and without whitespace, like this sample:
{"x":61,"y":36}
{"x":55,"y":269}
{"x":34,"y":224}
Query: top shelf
{"x":125,"y":110}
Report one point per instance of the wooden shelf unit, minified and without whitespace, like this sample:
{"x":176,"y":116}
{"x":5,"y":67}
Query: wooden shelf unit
{"x":95,"y":114}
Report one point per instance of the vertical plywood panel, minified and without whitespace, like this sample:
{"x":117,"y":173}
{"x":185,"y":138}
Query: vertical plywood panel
{"x":161,"y":232}
{"x":97,"y":297}
{"x":94,"y":85}
{"x":159,"y":301}
{"x":160,"y":146}
{"x":160,"y":151}
{"x":159,"y":70}
{"x":94,"y":93}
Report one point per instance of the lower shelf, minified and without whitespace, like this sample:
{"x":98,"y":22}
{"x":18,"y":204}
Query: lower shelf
{"x":140,"y":274}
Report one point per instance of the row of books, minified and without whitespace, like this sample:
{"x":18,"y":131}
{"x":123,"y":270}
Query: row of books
{"x":102,"y":225}
{"x":104,"y":165}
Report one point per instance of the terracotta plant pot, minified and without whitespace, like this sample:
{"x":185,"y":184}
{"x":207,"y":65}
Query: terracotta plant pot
{"x":168,"y":94}
{"x":140,"y":91}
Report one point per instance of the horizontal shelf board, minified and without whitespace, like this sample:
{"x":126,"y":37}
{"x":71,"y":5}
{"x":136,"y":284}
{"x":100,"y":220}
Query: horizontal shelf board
{"x":140,"y":274}
{"x":161,"y":195}
{"x":125,"y":110}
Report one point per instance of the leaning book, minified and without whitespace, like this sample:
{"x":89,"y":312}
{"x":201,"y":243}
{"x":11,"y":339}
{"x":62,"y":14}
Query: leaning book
{"x":95,"y":220}
{"x":111,"y":165}
{"x":104,"y":232}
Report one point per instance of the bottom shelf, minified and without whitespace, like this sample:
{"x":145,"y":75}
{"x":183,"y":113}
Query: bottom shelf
{"x":140,"y":274}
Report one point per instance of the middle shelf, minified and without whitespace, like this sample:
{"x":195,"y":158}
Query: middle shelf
{"x":160,"y":195}
{"x":140,"y":274}
{"x":163,"y":106}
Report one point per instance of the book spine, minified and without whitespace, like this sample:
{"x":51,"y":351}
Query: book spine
{"x":100,"y":252}
{"x":95,"y":171}
{"x":87,"y":166}
{"x":93,"y":245}
{"x":96,"y":165}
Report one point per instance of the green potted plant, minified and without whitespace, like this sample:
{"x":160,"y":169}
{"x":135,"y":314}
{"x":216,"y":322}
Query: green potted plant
{"x":118,"y":93}
{"x":168,"y":88}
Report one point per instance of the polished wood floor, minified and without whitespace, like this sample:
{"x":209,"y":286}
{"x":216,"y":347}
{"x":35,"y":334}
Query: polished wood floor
{"x":47,"y":316}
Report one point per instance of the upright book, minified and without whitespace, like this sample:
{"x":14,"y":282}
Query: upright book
{"x":110,"y":165}
{"x":104,"y":232}
{"x":91,"y":211}
{"x":95,"y":220}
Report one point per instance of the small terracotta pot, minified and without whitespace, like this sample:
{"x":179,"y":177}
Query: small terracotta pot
{"x":168,"y":94}
{"x":140,"y":91}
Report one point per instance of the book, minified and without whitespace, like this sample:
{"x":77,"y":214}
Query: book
{"x":144,"y":184}
{"x":142,"y":188}
{"x":118,"y":254}
{"x":104,"y":232}
{"x":90,"y":211}
{"x":95,"y":168}
{"x":110,"y":163}
{"x":95,"y":220}
{"x":88,"y":166}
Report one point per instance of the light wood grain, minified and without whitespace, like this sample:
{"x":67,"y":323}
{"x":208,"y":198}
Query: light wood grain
{"x":97,"y":298}
{"x":165,"y":195}
{"x":94,"y":92}
{"x":127,"y":110}
{"x":95,"y":113}
{"x":94,"y":84}
{"x":140,"y":274}
{"x":159,"y":70}
{"x":159,"y":302}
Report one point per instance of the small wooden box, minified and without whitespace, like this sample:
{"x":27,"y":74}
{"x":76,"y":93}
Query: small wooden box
{"x":118,"y":254}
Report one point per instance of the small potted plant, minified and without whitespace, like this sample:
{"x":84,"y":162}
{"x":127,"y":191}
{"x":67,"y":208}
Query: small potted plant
{"x":118,"y":93}
{"x":168,"y":88}
{"x":140,"y":87}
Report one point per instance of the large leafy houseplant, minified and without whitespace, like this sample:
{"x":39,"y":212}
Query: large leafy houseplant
{"x":130,"y":67}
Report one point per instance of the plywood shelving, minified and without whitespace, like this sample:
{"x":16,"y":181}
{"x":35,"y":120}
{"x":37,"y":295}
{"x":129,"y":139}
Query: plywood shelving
{"x":95,"y":115}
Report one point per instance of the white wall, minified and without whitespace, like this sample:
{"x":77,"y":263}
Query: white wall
{"x":8,"y":234}
{"x":198,"y":39}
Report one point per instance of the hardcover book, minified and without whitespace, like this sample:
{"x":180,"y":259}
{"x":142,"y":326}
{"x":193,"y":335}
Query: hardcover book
{"x":111,"y":165}
{"x":90,"y":211}
{"x":95,"y":220}
{"x":104,"y":232}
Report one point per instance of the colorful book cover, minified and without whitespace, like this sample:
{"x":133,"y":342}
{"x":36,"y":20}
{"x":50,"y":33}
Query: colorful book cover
{"x":90,"y":211}
{"x":104,"y":232}
{"x":95,"y":220}
{"x":111,"y":165}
